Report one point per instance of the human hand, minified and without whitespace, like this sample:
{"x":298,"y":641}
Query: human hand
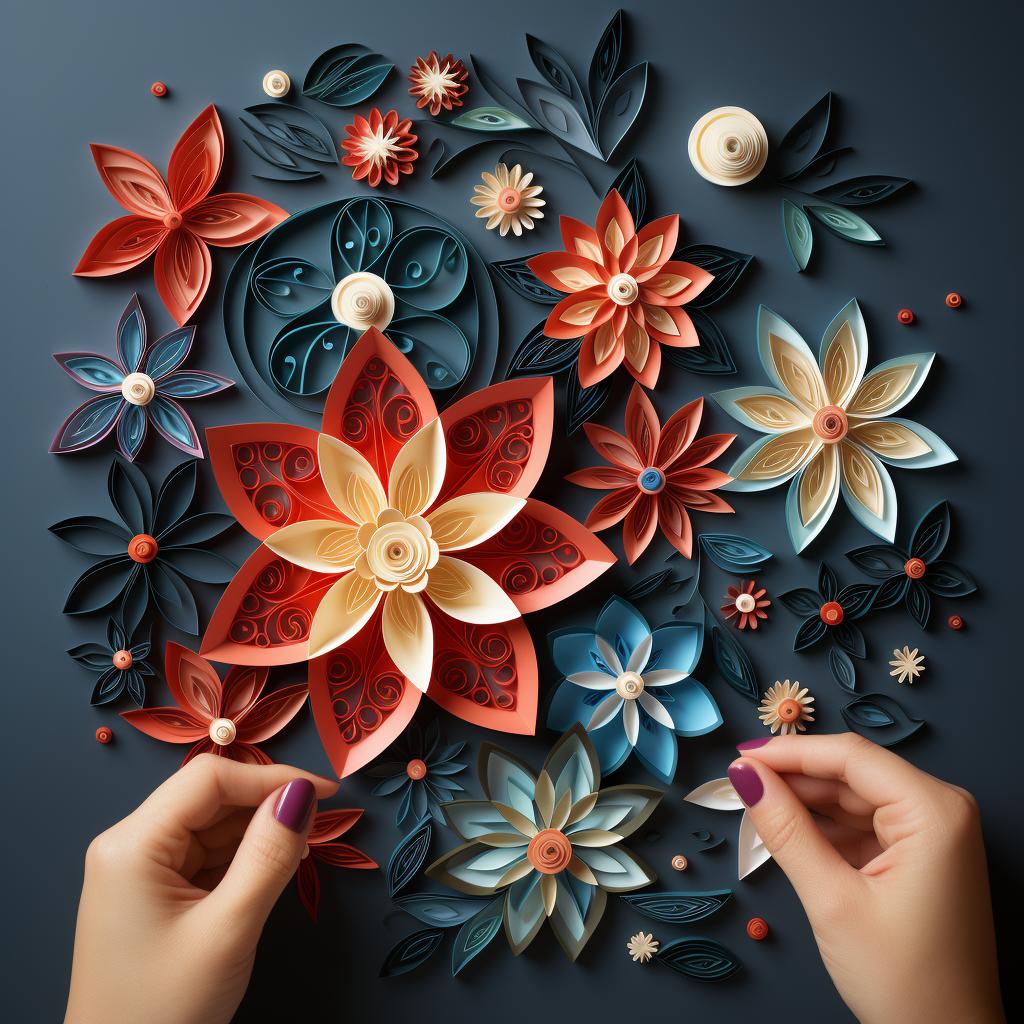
{"x":176,"y":895}
{"x":890,"y":870}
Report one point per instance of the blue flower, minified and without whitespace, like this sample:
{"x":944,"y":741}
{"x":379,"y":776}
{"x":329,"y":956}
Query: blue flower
{"x":121,"y":665}
{"x":630,"y":688}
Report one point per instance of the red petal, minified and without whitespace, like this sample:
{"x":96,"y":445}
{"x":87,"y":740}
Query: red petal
{"x":613,"y":208}
{"x":543,"y":556}
{"x":233,"y":218}
{"x":611,"y":445}
{"x":308,"y":881}
{"x":699,"y":501}
{"x":328,"y":825}
{"x":196,"y":160}
{"x":134,"y":182}
{"x":699,"y":479}
{"x":264,"y":616}
{"x":668,"y":228}
{"x":498,"y":438}
{"x":557,"y":327}
{"x":612,"y":508}
{"x":575,"y":231}
{"x":193,"y":682}
{"x":182,"y":273}
{"x":269,"y":475}
{"x":486,"y":675}
{"x":699,"y":280}
{"x":642,"y":426}
{"x":341,"y":855}
{"x":124,"y":243}
{"x":675,"y":523}
{"x":172,"y":725}
{"x":545,"y":265}
{"x":590,"y":371}
{"x":639,"y":527}
{"x":242,"y":688}
{"x":377,"y":401}
{"x":272,"y":713}
{"x":648,"y":373}
{"x":706,"y":450}
{"x":678,"y":433}
{"x":603,"y":478}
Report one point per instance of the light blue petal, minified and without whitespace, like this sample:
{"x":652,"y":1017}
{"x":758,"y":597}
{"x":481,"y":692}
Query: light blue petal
{"x":692,"y":708}
{"x":575,"y":650}
{"x":849,"y":314}
{"x":131,"y":429}
{"x":573,"y":766}
{"x":617,"y":870}
{"x":192,"y":384}
{"x":745,"y":459}
{"x":93,"y":371}
{"x":508,"y":781}
{"x":885,"y":525}
{"x":770,"y":323}
{"x":622,"y":626}
{"x":169,"y":352}
{"x":170,"y":419}
{"x":89,"y":423}
{"x":524,"y":911}
{"x":612,"y":745}
{"x":799,"y":533}
{"x":922,"y":363}
{"x":676,"y":646}
{"x":728,"y":401}
{"x":657,"y":748}
{"x":571,"y":704}
{"x":940,"y":455}
{"x":131,"y":336}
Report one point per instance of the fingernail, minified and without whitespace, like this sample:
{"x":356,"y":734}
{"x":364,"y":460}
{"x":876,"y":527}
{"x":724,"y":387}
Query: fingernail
{"x":753,"y":744}
{"x":747,"y":783}
{"x":295,"y":804}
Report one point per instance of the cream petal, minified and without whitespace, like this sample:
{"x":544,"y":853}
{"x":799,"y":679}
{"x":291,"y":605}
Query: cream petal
{"x":890,"y":386}
{"x":764,"y":409}
{"x":638,"y":343}
{"x":788,"y":361}
{"x":470,"y":519}
{"x":549,"y":893}
{"x":345,"y":609}
{"x":613,"y":237}
{"x":467,"y":593}
{"x":649,"y":252}
{"x":323,"y":545}
{"x":778,"y":458}
{"x":664,"y":677}
{"x":408,"y":636}
{"x":862,"y":479}
{"x":350,"y":480}
{"x":575,"y":279}
{"x":903,"y":443}
{"x":631,"y":722}
{"x":818,"y":483}
{"x":581,"y":314}
{"x":418,"y":471}
{"x":752,"y":851}
{"x":844,"y":353}
{"x":660,"y":320}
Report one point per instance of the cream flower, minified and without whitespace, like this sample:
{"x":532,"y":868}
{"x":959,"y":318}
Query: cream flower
{"x":906,"y":665}
{"x":508,"y":200}
{"x":642,"y":947}
{"x":785,"y":708}
{"x":728,"y":146}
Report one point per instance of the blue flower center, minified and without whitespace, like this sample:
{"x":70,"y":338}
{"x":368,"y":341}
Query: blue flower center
{"x":651,"y":480}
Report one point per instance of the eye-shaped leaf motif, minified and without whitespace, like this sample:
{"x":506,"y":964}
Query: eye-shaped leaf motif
{"x":799,"y":235}
{"x":435,"y":346}
{"x":556,"y":71}
{"x":620,"y":107}
{"x":292,"y":128}
{"x":305,"y":356}
{"x":346,"y":75}
{"x":880,"y":718}
{"x":726,"y":265}
{"x":491,"y":119}
{"x":842,"y":668}
{"x":733,"y":553}
{"x":361,"y":233}
{"x":678,"y":907}
{"x":879,"y":561}
{"x":711,"y":357}
{"x":604,"y":65}
{"x":427,"y":267}
{"x":541,"y":356}
{"x":411,"y":952}
{"x":289,"y":286}
{"x":931,"y":535}
{"x":522,"y":280}
{"x":733,"y":663}
{"x":699,"y":958}
{"x":440,"y":911}
{"x":557,"y":115}
{"x":845,"y":224}
{"x":408,"y":856}
{"x":632,"y":188}
{"x":864,"y":190}
{"x":663,"y":581}
{"x":476,"y":934}
{"x":803,"y":142}
{"x":824,"y":163}
{"x":582,"y":404}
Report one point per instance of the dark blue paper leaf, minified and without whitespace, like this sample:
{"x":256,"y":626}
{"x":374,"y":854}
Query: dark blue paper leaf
{"x":863,"y":190}
{"x":828,"y":582}
{"x":679,"y":907}
{"x":857,"y":599}
{"x":541,"y":356}
{"x":559,"y":116}
{"x":801,"y":601}
{"x":604,"y":65}
{"x":289,"y":285}
{"x":522,"y":280}
{"x":557,"y":72}
{"x":891,"y":592}
{"x":931,"y":535}
{"x":411,"y":952}
{"x":733,"y":663}
{"x":293,"y":129}
{"x":699,"y":958}
{"x":476,"y":934}
{"x":919,"y":604}
{"x":879,"y":561}
{"x":850,"y":638}
{"x":734,"y":553}
{"x":824,"y":163}
{"x":438,"y":910}
{"x":346,"y":75}
{"x":803,"y":142}
{"x":630,"y":185}
{"x":582,"y":403}
{"x":945,"y":579}
{"x":620,"y":107}
{"x":664,"y":582}
{"x":811,"y":632}
{"x":842,"y":668}
{"x":727,"y":266}
{"x":711,"y":357}
{"x":408,"y":856}
{"x":880,"y":718}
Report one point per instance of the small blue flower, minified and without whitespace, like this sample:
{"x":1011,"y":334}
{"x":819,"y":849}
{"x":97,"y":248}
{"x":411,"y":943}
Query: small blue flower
{"x":121,"y":665}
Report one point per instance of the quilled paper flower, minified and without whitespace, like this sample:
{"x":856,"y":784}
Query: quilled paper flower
{"x":719,"y":795}
{"x":438,"y":82}
{"x":142,"y":385}
{"x":179,"y":220}
{"x":322,"y":848}
{"x":907,"y":665}
{"x":746,"y":604}
{"x":915,"y":575}
{"x":641,"y":947}
{"x":424,"y":776}
{"x":120,"y":663}
{"x":625,"y":293}
{"x":508,"y":200}
{"x":399,"y":551}
{"x":830,"y":612}
{"x":785,"y":708}
{"x":227,"y":718}
{"x":656,"y":474}
{"x":380,"y":148}
{"x":830,"y":427}
{"x":149,"y":551}
{"x":630,"y":688}
{"x":551,"y":842}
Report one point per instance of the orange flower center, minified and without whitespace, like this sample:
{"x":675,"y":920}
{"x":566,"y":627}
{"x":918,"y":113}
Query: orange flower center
{"x":831,"y":613}
{"x":142,"y":548}
{"x":831,"y":424}
{"x":623,"y":290}
{"x":509,"y":199}
{"x":122,"y":660}
{"x":915,"y":568}
{"x":789,"y":710}
{"x":172,"y":220}
{"x":549,"y":851}
{"x":416,"y":769}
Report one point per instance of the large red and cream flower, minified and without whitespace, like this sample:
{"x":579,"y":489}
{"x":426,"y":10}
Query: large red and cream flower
{"x":626,"y":294}
{"x":399,"y":551}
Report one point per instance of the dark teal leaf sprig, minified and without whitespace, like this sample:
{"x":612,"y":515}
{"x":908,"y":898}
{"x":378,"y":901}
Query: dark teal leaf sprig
{"x":292,"y":141}
{"x":678,"y":907}
{"x":346,"y":75}
{"x":880,"y":718}
{"x":699,"y":958}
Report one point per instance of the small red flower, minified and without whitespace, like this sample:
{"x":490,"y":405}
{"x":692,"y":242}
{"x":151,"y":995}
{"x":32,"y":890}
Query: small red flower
{"x":179,"y":220}
{"x":227,"y":718}
{"x":381,"y":147}
{"x":320,"y":846}
{"x":439,"y":82}
{"x":746,"y":604}
{"x":656,"y":474}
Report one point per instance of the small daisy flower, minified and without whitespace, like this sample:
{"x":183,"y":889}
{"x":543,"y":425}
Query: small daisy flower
{"x":439,"y":82}
{"x":642,"y":947}
{"x":746,"y":604}
{"x":906,"y":665}
{"x":785,"y":707}
{"x":381,"y":147}
{"x":508,"y":200}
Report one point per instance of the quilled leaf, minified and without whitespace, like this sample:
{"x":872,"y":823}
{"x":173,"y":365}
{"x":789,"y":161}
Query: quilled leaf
{"x":863,"y":190}
{"x":842,"y":668}
{"x":733,"y":663}
{"x":556,"y":71}
{"x":733,"y":553}
{"x":630,"y":185}
{"x":582,"y":404}
{"x":845,"y":224}
{"x":440,"y":911}
{"x":289,"y":285}
{"x":711,"y":357}
{"x":931,"y":535}
{"x":726,"y":265}
{"x":803,"y":142}
{"x":491,"y":119}
{"x":604,"y":65}
{"x":620,"y":107}
{"x":880,"y":718}
{"x":408,"y":856}
{"x":799,"y":235}
{"x":346,"y":75}
{"x":559,"y":116}
{"x":678,"y":907}
{"x":664,"y":581}
{"x":411,"y":952}
{"x":476,"y":934}
{"x":293,"y":129}
{"x":699,"y":958}
{"x":540,"y":356}
{"x":824,"y":163}
{"x":522,"y":280}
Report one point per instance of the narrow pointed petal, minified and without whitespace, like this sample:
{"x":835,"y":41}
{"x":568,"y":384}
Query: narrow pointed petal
{"x":868,"y":490}
{"x":134,"y":182}
{"x":342,"y":613}
{"x":350,"y":480}
{"x":890,"y":385}
{"x":120,"y":245}
{"x":182,"y":273}
{"x":233,"y":218}
{"x":196,"y":160}
{"x":418,"y":471}
{"x":844,"y":354}
{"x":788,"y":361}
{"x":408,"y":636}
{"x":903,"y":443}
{"x":322,"y":545}
{"x":469,"y":519}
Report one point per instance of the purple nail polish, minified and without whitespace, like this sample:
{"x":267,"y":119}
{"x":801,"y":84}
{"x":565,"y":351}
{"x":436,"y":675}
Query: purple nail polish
{"x":747,"y":783}
{"x":295,"y":804}
{"x":753,"y":744}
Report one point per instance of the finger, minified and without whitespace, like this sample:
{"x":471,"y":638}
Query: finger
{"x":832,"y":799}
{"x":857,"y":848}
{"x":229,"y":829}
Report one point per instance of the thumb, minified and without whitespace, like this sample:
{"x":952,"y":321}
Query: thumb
{"x":811,"y":863}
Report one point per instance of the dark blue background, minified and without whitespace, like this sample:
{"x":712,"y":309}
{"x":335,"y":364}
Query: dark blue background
{"x":924,"y":91}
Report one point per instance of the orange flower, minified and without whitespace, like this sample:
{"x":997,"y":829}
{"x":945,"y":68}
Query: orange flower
{"x":381,"y":147}
{"x":438,"y":81}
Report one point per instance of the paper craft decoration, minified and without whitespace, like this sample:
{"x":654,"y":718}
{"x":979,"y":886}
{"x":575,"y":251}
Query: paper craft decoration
{"x":551,"y":843}
{"x":830,"y":426}
{"x":655,"y":475}
{"x":678,"y":907}
{"x":907,"y":665}
{"x":642,"y":947}
{"x":631,"y":688}
{"x":120,"y":664}
{"x":880,"y":718}
{"x":719,"y":795}
{"x":438,"y":83}
{"x":379,"y":148}
{"x":424,"y":777}
{"x":807,"y":152}
{"x":290,"y":140}
{"x":227,"y":718}
{"x":177,"y":221}
{"x":143,"y":384}
{"x":746,"y":604}
{"x":728,"y":146}
{"x":409,"y":856}
{"x":298,"y":300}
{"x":508,"y":200}
{"x":346,"y":75}
{"x":322,"y":847}
{"x":913,"y":576}
{"x":149,"y":551}
{"x":786,"y":707}
{"x":699,"y":958}
{"x":399,"y":551}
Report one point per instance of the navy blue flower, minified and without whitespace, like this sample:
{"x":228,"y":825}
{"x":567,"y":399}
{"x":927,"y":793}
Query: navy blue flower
{"x":830,"y":612}
{"x":121,"y":665}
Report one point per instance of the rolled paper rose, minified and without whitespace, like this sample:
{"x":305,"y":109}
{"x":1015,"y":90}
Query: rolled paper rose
{"x":549,"y":851}
{"x":728,"y":146}
{"x":362,"y":301}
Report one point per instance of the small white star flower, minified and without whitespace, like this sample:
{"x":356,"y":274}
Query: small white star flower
{"x":907,"y":665}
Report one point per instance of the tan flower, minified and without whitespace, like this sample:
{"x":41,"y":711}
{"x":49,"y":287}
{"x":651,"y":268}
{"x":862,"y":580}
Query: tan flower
{"x":508,"y":200}
{"x":785,"y":708}
{"x":642,"y":947}
{"x":906,"y":665}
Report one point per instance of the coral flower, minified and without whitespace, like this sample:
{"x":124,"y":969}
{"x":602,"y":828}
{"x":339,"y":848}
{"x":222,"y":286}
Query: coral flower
{"x":508,"y":200}
{"x":438,"y":82}
{"x":626,"y":294}
{"x":322,"y":847}
{"x":746,"y":604}
{"x":382,"y":147}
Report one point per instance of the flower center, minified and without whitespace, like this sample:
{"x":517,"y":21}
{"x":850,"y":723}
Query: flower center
{"x":416,"y":769}
{"x":651,"y":480}
{"x":362,"y":301}
{"x":789,"y":710}
{"x":223,"y":731}
{"x":745,"y":603}
{"x":623,"y":290}
{"x":509,"y":199}
{"x":172,"y":220}
{"x":399,"y":553}
{"x":142,"y":548}
{"x":122,"y":660}
{"x":629,"y":685}
{"x":380,"y":146}
{"x":831,"y":613}
{"x":549,"y":851}
{"x":138,"y":388}
{"x":915,"y":568}
{"x":830,"y":424}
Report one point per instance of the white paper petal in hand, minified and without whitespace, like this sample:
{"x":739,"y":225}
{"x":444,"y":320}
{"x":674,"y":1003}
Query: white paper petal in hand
{"x":890,"y":385}
{"x":350,"y":480}
{"x":323,"y":545}
{"x":418,"y":471}
{"x":844,"y":353}
{"x":752,"y":851}
{"x":345,"y":609}
{"x":470,"y":519}
{"x":788,"y":361}
{"x":467,"y":593}
{"x":408,"y":636}
{"x":868,"y":490}
{"x":718,"y":795}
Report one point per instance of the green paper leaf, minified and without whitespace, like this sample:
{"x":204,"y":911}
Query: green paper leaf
{"x":845,"y":223}
{"x":734,"y":553}
{"x":796,"y":226}
{"x":491,"y":119}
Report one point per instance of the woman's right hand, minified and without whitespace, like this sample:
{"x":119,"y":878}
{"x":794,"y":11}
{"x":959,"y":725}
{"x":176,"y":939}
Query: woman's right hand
{"x":889,"y":865}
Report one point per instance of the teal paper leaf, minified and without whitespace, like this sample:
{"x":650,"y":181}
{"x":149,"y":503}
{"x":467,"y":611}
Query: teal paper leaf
{"x":733,"y":553}
{"x":842,"y":668}
{"x":604,"y":65}
{"x":880,"y":718}
{"x":796,"y":226}
{"x":411,"y":952}
{"x":863,"y":190}
{"x":541,"y":356}
{"x":699,"y":958}
{"x":630,"y":185}
{"x":408,"y":856}
{"x":845,"y":223}
{"x":476,"y":934}
{"x":289,"y":286}
{"x":727,"y":266}
{"x":711,"y":357}
{"x":440,"y":911}
{"x":620,"y":107}
{"x":491,"y":119}
{"x":733,"y":662}
{"x":556,"y":71}
{"x":522,"y":280}
{"x":678,"y":907}
{"x":346,"y":75}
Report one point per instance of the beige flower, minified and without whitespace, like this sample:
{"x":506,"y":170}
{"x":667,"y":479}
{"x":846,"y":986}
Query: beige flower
{"x":508,"y":200}
{"x":642,"y":947}
{"x":785,"y":708}
{"x":906,"y":665}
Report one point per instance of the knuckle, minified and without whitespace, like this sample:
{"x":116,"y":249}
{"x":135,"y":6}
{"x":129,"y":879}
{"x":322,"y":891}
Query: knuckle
{"x":273,"y":857}
{"x":962,"y":813}
{"x":778,"y":830}
{"x":107,"y":852}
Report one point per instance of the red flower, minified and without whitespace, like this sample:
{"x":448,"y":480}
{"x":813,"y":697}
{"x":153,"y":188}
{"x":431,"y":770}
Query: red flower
{"x":746,"y":604}
{"x":438,"y":81}
{"x":179,"y":220}
{"x":226,"y":718}
{"x":354,"y":570}
{"x":381,"y":147}
{"x":327,"y":826}
{"x":656,"y":474}
{"x":625,"y":295}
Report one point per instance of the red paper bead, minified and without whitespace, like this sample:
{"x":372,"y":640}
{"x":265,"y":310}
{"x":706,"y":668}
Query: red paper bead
{"x":158,"y":89}
{"x":757,"y":929}
{"x":104,"y":734}
{"x":831,"y":613}
{"x":955,"y":622}
{"x":915,"y":568}
{"x":954,"y":300}
{"x":416,"y":769}
{"x":679,"y":862}
{"x":142,"y":548}
{"x":905,"y":316}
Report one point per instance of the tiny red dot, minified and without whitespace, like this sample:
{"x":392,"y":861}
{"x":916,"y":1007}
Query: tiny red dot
{"x":954,"y":300}
{"x":104,"y":735}
{"x":905,"y":316}
{"x":955,"y":622}
{"x":757,"y":929}
{"x":158,"y":89}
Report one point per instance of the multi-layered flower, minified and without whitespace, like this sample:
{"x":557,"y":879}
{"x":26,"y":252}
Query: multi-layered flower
{"x":656,"y":474}
{"x":438,"y":83}
{"x":380,"y":148}
{"x":830,"y":427}
{"x":179,"y":220}
{"x":508,"y":200}
{"x":551,"y":842}
{"x":625,"y":292}
{"x":322,"y":847}
{"x":399,"y":551}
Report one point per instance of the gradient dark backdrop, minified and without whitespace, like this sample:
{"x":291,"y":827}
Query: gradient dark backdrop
{"x":924,"y":91}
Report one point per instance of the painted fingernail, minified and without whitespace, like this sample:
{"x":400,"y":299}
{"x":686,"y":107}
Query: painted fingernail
{"x":753,"y":744}
{"x":295,"y":804}
{"x":747,"y":783}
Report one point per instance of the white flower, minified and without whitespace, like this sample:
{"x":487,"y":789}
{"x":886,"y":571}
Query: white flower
{"x":906,"y":665}
{"x":508,"y":200}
